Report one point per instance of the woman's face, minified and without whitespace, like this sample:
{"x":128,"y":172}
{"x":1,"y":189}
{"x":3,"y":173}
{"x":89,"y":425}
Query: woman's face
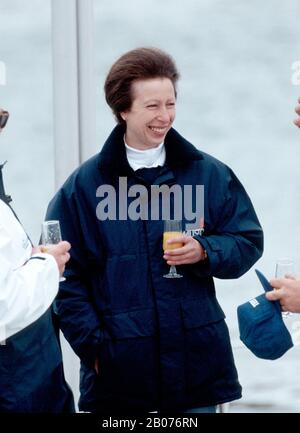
{"x":152,"y":113}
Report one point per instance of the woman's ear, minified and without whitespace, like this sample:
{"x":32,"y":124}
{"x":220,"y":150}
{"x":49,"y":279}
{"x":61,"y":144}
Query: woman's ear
{"x":124,"y":115}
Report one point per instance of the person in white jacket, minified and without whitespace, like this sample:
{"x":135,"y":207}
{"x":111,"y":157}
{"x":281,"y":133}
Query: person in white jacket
{"x":28,"y":278}
{"x":31,"y":375}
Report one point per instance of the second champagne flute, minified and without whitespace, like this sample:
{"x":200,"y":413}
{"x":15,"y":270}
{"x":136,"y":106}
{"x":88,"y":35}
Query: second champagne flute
{"x":284,"y":268}
{"x":51,"y":235}
{"x":172,"y":229}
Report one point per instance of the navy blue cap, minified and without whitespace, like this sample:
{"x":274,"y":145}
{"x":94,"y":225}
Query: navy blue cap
{"x":261,"y":326}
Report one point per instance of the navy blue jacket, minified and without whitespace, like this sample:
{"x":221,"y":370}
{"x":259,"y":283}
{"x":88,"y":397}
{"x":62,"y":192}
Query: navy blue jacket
{"x":31,"y":371}
{"x":162,"y":344}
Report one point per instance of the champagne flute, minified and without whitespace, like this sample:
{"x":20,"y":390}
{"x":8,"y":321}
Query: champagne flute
{"x":285,"y":268}
{"x":51,"y":235}
{"x":172,"y":229}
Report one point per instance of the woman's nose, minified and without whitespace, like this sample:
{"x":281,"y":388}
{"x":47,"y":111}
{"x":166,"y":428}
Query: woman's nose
{"x":164,"y":115}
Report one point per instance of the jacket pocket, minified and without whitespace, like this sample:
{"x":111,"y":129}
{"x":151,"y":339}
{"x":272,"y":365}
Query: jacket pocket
{"x":208,"y":354}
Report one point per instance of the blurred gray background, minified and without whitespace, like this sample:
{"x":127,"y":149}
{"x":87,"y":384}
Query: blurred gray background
{"x":236,"y":102}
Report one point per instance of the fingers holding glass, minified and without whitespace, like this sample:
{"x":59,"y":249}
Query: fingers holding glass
{"x":51,"y":235}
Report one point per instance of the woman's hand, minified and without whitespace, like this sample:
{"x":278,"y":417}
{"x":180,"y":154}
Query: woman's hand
{"x":191,"y":251}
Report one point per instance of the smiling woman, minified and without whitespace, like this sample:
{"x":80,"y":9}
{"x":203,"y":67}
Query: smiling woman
{"x":145,"y":342}
{"x":152,"y":113}
{"x":144,"y":97}
{"x":142,"y":63}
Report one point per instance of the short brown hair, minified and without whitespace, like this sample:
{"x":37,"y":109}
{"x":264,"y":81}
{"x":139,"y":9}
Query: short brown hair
{"x":138,"y":64}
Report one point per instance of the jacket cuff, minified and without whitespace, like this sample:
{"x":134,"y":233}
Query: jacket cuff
{"x":206,"y":267}
{"x":88,"y":353}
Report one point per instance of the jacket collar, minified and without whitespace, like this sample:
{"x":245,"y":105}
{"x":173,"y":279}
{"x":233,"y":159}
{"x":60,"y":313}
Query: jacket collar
{"x":113,"y":161}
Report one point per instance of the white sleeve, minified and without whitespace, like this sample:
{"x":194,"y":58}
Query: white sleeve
{"x":26,"y":291}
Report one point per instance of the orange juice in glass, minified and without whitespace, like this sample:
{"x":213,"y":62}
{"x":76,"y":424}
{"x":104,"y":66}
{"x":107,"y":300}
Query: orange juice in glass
{"x":172,"y":229}
{"x":171,"y":235}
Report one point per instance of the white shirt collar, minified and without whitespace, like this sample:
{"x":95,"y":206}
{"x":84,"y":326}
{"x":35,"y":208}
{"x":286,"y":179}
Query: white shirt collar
{"x":145,"y":158}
